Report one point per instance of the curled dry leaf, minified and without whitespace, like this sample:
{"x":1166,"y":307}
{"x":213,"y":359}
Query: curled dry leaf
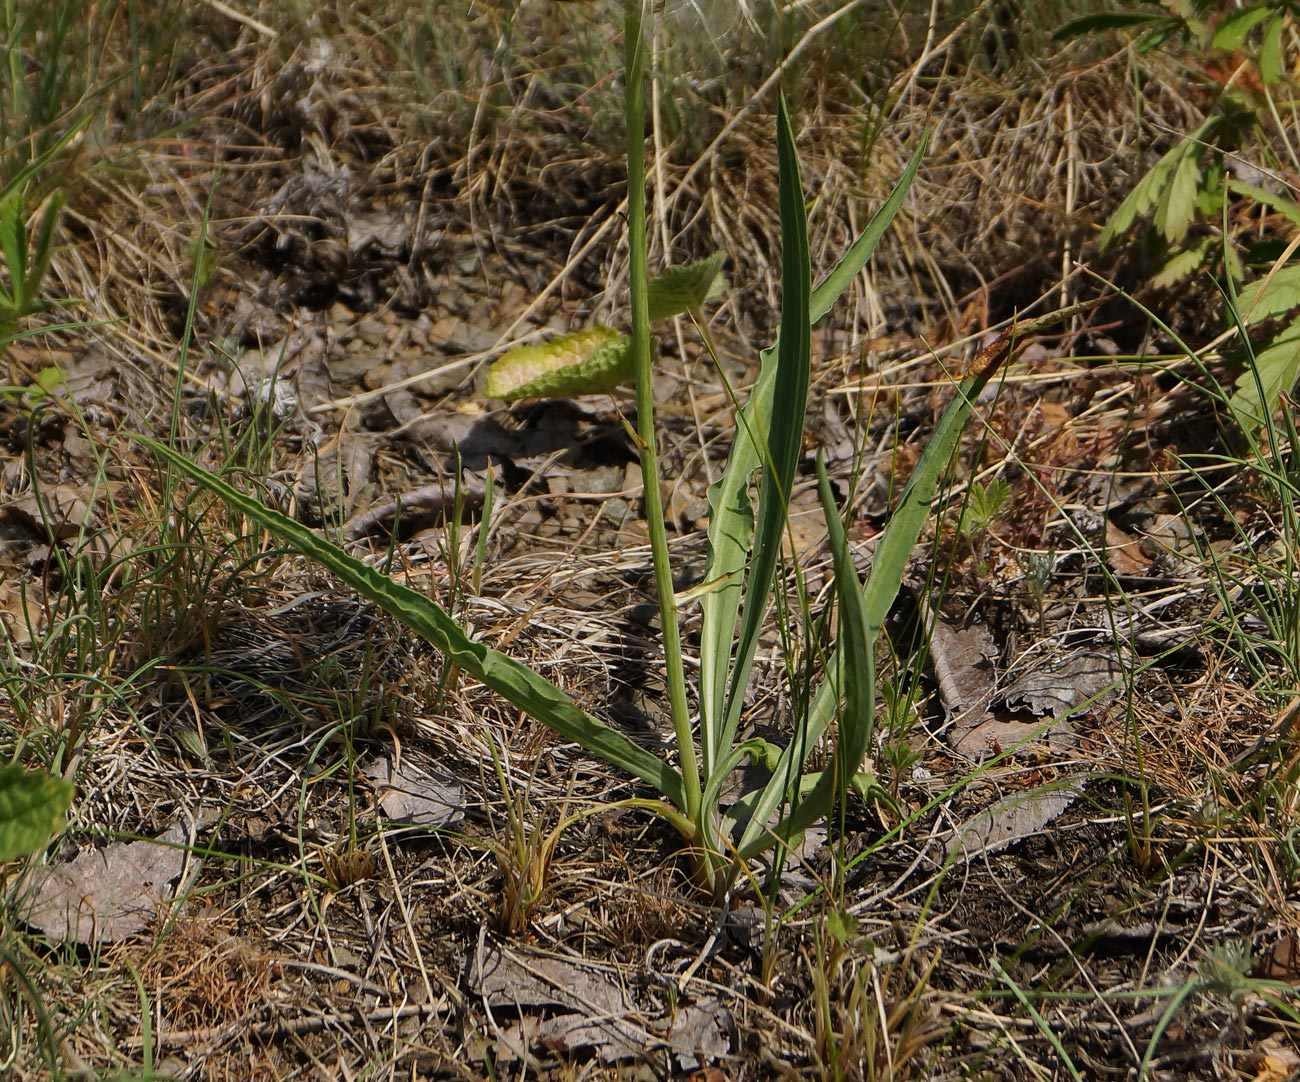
{"x":595,"y":1013}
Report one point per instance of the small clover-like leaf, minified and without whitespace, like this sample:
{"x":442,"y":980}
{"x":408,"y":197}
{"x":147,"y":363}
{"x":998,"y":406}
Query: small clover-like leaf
{"x":594,"y":361}
{"x":687,"y":288}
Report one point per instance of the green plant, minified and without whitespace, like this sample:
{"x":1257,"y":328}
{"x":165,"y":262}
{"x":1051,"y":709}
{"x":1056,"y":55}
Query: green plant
{"x":1204,"y":202}
{"x":32,"y":807}
{"x":599,"y":359}
{"x":897,"y":753}
{"x":745,"y":542}
{"x":983,"y":502}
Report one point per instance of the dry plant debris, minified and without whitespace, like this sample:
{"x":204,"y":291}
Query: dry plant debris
{"x":1078,"y":805}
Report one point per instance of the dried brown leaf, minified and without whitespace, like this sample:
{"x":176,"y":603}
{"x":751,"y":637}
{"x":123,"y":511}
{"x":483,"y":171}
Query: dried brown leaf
{"x":104,"y":895}
{"x":411,"y":794}
{"x":1011,"y":820}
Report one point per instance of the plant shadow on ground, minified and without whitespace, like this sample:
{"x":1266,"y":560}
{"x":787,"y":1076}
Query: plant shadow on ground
{"x":166,"y":656}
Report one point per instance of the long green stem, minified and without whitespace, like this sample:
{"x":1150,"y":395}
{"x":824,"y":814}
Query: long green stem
{"x":634,"y":46}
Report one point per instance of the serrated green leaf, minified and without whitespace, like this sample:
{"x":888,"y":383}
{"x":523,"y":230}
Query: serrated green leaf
{"x":1232,"y":32}
{"x":687,"y":288}
{"x":1150,"y":190}
{"x":1178,"y":207}
{"x":1272,"y":295}
{"x":32,"y":807}
{"x":1275,"y":371}
{"x":1270,"y":52}
{"x":1141,"y":199}
{"x":594,"y":361}
{"x":1182,"y":263}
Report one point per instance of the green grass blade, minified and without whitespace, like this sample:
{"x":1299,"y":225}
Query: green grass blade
{"x":731,"y":525}
{"x":878,"y":594}
{"x":854,"y":677}
{"x":856,"y":645}
{"x":516,"y":683}
{"x":780,"y":428}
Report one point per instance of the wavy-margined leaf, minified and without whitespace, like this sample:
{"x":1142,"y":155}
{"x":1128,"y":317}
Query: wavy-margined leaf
{"x":516,"y":683}
{"x":687,"y":288}
{"x":778,"y":430}
{"x":32,"y":807}
{"x":597,"y":360}
{"x":593,"y":361}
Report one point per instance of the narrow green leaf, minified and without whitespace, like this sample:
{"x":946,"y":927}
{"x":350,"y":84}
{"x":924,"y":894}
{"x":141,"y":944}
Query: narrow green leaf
{"x":593,"y":361}
{"x":1270,"y":52}
{"x":1231,"y":34}
{"x":32,"y":808}
{"x":781,"y":429}
{"x":731,"y":521}
{"x":857,"y":646}
{"x":888,"y":568}
{"x":851,"y":679}
{"x":13,"y":243}
{"x":1106,"y":20}
{"x":43,"y":251}
{"x":1280,"y":203}
{"x":516,"y":683}
{"x":20,"y":179}
{"x":687,"y":288}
